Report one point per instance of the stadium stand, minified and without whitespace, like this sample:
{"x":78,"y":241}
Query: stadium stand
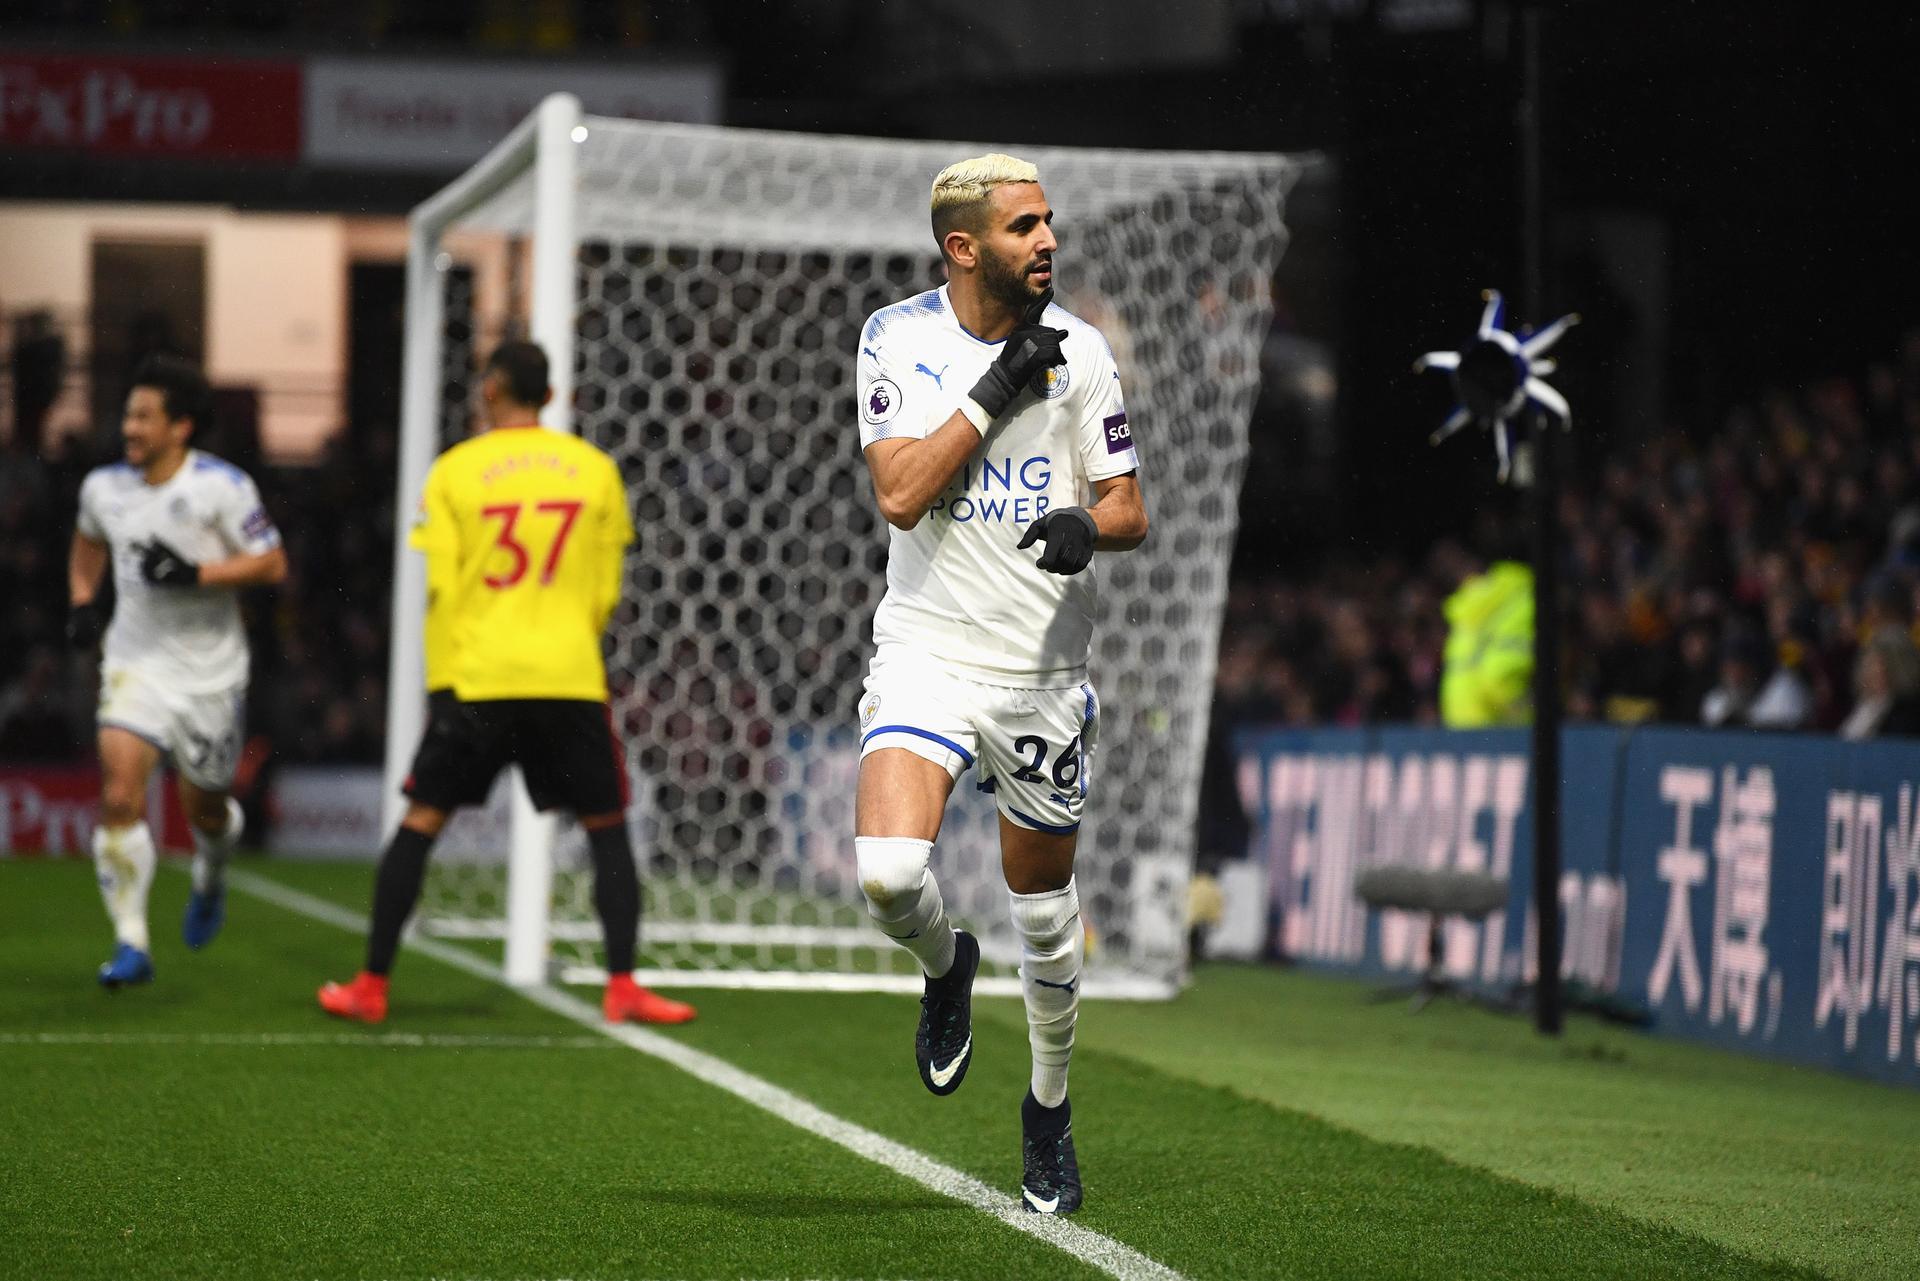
{"x":1734,"y":578}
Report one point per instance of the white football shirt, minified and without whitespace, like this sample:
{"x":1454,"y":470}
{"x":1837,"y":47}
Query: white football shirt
{"x":957,"y":590}
{"x":187,"y":638}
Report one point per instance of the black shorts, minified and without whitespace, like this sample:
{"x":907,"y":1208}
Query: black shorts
{"x":565,"y":749}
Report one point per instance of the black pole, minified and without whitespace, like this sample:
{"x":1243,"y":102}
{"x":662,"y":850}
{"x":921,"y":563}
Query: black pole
{"x":1546,"y":561}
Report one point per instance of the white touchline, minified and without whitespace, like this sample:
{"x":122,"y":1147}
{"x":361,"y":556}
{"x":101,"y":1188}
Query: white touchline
{"x":1112,"y":1257}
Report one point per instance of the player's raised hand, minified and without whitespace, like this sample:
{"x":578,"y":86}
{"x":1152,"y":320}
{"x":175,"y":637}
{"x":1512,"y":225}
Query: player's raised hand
{"x":1070,"y":534}
{"x":85,"y":622}
{"x":165,"y":567}
{"x":1029,"y":349}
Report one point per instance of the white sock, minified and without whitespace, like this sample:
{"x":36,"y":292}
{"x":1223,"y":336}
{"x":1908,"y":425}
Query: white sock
{"x":210,"y":853}
{"x":1052,"y":948}
{"x":124,"y":858}
{"x":904,"y":900}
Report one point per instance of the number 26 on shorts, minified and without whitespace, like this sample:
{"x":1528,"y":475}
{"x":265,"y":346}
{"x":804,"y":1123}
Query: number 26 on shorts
{"x":1066,"y":766}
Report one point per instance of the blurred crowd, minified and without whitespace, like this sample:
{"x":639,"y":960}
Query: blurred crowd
{"x":1762,"y":575}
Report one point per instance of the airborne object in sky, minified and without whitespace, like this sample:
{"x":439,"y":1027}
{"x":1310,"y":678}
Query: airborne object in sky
{"x":1498,"y":375}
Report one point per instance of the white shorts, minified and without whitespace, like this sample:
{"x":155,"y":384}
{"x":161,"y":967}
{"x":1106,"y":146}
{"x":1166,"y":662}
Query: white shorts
{"x":201,"y":733}
{"x":1034,"y":747}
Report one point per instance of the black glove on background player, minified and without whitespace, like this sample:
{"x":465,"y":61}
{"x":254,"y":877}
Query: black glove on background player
{"x":1030,"y":348}
{"x":85,"y":623}
{"x":165,"y":567}
{"x":1070,"y":534}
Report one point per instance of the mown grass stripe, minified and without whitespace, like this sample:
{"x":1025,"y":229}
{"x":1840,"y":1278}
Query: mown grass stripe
{"x":266,"y":1040}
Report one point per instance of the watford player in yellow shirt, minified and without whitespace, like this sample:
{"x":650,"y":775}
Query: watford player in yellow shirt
{"x":524,"y":530}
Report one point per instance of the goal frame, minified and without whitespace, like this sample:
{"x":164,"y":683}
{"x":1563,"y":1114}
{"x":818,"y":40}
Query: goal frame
{"x":557,"y":177}
{"x":546,"y":143}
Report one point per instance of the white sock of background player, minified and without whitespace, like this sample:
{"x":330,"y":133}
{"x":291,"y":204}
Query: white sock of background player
{"x":210,"y":853}
{"x":124,"y":858}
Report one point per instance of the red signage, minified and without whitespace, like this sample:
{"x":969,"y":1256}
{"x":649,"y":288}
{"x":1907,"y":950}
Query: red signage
{"x":52,"y":810}
{"x":241,"y":110}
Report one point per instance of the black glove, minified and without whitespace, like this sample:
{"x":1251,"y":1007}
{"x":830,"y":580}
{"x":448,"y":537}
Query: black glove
{"x":166,"y":567}
{"x":85,"y":622}
{"x":1070,"y":534}
{"x":1029,"y":349}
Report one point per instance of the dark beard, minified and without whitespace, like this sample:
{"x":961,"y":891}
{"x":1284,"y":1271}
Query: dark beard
{"x":1005,"y":283}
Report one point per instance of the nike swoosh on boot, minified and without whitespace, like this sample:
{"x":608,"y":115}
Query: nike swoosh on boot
{"x":1044,"y":1207}
{"x":941,"y":1075}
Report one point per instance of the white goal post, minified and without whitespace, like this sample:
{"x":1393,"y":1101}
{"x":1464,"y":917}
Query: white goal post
{"x":699,"y":292}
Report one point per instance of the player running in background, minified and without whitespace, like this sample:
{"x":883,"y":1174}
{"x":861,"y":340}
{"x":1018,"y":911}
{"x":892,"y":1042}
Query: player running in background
{"x":184,"y":531}
{"x":524,"y":530}
{"x":991,"y":420}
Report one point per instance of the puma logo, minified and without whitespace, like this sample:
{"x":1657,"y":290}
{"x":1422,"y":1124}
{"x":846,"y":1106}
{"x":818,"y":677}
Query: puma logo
{"x":922,"y":369}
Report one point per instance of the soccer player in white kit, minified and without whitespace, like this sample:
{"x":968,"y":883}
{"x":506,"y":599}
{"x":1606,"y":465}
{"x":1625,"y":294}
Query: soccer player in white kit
{"x":991,"y":420}
{"x":184,"y":531}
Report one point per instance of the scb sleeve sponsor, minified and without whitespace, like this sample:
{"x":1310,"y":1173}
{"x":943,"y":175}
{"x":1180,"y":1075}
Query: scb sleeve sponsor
{"x":243,"y":521}
{"x":1106,"y":433}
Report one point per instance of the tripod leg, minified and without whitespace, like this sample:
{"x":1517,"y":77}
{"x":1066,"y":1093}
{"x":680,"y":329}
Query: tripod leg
{"x":1433,"y":979}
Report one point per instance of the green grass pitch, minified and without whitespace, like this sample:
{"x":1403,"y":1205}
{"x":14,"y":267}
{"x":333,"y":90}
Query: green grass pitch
{"x":1266,"y":1124}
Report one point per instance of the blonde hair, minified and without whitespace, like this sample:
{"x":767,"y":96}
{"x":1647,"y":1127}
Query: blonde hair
{"x":960,"y":191}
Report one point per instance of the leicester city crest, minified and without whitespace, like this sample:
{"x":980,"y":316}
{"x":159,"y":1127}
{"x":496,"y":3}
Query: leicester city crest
{"x":869,"y":710}
{"x":1050,"y":384}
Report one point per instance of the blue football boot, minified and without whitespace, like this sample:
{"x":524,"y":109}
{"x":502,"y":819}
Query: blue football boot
{"x":205,"y":914}
{"x":129,"y":965}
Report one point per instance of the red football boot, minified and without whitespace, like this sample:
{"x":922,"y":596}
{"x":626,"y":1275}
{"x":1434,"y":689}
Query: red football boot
{"x":626,"y":1001}
{"x":365,"y":998}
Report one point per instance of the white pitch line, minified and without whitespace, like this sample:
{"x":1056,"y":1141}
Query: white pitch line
{"x":1111,"y":987}
{"x":1112,"y":1257}
{"x":371,"y":1041}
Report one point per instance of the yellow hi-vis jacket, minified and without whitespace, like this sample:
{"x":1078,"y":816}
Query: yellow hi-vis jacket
{"x":1488,"y":673}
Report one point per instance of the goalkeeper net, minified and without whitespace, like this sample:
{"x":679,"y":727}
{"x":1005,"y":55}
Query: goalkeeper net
{"x":712,"y":286}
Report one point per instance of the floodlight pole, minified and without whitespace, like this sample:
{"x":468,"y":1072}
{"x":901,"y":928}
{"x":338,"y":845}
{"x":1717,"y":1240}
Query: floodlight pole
{"x":1544,"y":434}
